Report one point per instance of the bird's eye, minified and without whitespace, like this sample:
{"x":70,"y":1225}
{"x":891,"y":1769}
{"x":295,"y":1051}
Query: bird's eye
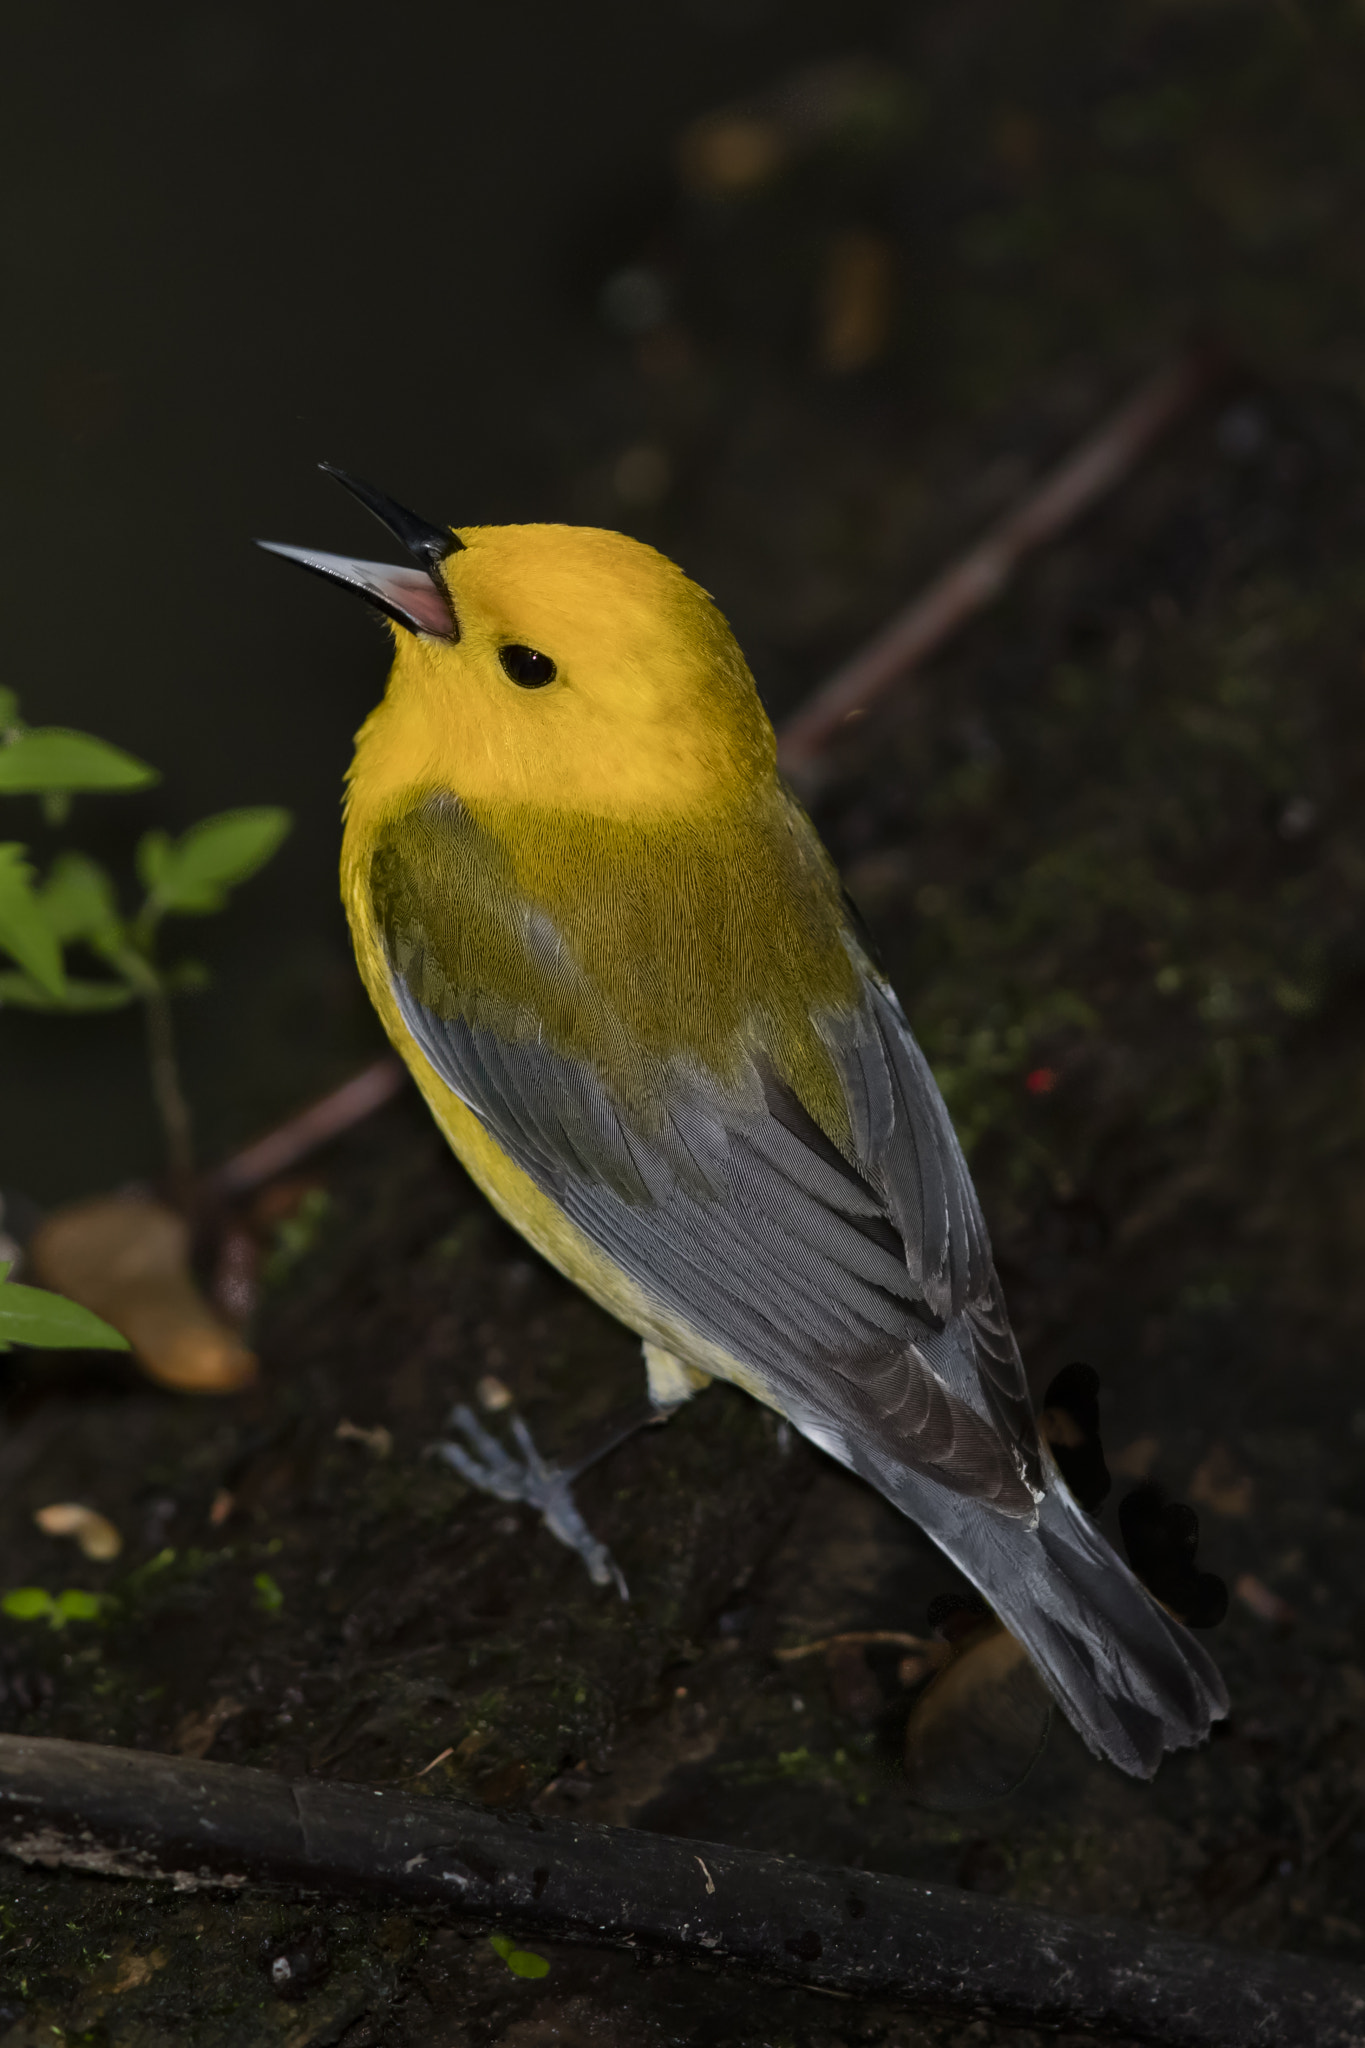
{"x":527,"y":668}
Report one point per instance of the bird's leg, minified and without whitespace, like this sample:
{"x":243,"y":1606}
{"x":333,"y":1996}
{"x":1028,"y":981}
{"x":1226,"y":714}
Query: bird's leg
{"x":671,"y":1380}
{"x":541,"y":1484}
{"x":547,"y":1487}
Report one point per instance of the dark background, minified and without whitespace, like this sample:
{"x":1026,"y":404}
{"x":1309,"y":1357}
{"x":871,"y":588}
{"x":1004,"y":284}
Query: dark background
{"x":237,"y":240}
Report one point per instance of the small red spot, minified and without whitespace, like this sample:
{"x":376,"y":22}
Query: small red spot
{"x":1041,"y":1081}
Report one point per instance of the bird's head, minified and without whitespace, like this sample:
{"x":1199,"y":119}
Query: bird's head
{"x":550,"y":667}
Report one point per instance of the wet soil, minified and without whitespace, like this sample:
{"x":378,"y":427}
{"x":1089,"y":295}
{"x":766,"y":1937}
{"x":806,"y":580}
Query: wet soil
{"x":1110,"y":845}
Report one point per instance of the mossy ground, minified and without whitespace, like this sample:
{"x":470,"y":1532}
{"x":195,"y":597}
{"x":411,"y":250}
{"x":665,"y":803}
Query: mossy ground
{"x":1111,"y":847}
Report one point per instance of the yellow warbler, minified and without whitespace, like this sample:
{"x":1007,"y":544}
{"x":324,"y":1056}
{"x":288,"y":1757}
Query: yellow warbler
{"x":617,"y":959}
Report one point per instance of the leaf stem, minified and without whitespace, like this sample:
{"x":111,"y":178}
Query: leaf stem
{"x":173,"y":1108}
{"x":169,"y":1095}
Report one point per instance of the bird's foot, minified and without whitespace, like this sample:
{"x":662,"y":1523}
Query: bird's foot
{"x":531,"y":1479}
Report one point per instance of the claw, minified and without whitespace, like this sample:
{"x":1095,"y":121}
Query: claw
{"x":533,"y":1480}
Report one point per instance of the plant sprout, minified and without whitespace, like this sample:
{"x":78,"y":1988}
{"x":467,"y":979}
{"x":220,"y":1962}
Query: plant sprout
{"x":77,"y":903}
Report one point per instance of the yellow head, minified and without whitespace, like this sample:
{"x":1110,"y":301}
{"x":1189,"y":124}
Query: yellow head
{"x":553,"y":668}
{"x":589,"y":710}
{"x":640,"y":701}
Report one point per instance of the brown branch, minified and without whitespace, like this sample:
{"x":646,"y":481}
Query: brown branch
{"x":855,"y":1638}
{"x":968,"y":585}
{"x":292,"y":1141}
{"x":127,"y":1813}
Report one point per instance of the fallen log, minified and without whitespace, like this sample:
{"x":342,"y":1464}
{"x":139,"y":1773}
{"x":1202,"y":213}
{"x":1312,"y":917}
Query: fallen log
{"x":129,"y":1813}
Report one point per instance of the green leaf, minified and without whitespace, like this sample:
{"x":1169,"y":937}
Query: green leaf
{"x":78,"y":901}
{"x":21,"y":993}
{"x":27,"y":1603}
{"x":30,"y":1315}
{"x":24,"y":929}
{"x":195,"y":873}
{"x":9,"y":710}
{"x":51,"y":758}
{"x":153,"y":851}
{"x":269,"y":1598}
{"x":34,"y":1603}
{"x":522,"y":1962}
{"x":74,"y":1605}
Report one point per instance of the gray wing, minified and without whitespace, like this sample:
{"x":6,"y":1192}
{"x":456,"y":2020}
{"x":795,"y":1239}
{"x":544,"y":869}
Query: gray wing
{"x":902,"y":1129}
{"x":861,"y":1292}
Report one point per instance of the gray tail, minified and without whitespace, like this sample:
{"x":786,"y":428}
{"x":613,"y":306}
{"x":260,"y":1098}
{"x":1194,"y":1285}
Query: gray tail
{"x":1130,"y":1678}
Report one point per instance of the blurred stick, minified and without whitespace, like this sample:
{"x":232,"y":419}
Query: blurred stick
{"x":856,"y":1638}
{"x":130,"y":1813}
{"x":290,"y":1142}
{"x":968,"y":585}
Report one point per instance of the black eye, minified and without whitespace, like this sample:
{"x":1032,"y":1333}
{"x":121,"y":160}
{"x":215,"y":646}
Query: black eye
{"x":524,"y":666}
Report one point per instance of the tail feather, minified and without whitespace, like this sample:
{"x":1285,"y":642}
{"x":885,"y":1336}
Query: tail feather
{"x":1129,"y":1677}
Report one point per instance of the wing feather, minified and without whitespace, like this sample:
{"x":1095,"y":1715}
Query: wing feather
{"x":854,"y":1290}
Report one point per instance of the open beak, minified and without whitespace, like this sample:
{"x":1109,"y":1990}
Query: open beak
{"x":416,"y":597}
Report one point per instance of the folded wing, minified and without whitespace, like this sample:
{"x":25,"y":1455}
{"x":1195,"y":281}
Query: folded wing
{"x":859,"y":1290}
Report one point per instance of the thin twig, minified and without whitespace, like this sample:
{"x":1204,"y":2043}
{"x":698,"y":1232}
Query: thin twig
{"x":129,"y":1813}
{"x":313,"y":1127}
{"x":968,"y":585}
{"x":426,"y":1768}
{"x":856,"y":1637}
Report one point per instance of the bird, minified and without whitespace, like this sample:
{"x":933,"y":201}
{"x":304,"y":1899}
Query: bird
{"x":617,"y":958}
